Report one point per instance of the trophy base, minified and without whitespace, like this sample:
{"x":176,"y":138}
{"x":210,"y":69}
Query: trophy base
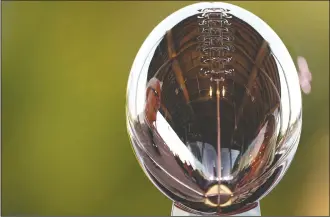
{"x":176,"y":211}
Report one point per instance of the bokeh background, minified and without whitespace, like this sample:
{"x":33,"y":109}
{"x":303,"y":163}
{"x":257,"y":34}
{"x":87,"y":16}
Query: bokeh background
{"x":65,"y":65}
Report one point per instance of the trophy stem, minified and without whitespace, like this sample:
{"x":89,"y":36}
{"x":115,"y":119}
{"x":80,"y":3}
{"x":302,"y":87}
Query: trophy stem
{"x":176,"y":211}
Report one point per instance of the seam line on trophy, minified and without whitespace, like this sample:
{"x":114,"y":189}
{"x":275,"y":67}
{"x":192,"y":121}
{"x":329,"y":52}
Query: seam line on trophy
{"x":215,"y":44}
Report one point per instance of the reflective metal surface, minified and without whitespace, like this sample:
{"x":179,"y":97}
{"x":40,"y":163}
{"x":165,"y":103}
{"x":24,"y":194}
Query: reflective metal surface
{"x":214,"y":108}
{"x":177,"y":211}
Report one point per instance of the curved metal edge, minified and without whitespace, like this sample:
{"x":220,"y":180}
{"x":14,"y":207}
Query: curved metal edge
{"x":176,"y":211}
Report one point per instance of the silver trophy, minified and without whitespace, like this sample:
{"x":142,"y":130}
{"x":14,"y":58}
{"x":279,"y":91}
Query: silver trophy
{"x":214,"y":109}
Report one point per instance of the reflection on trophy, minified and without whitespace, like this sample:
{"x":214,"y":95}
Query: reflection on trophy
{"x":214,"y":109}
{"x":153,"y":98}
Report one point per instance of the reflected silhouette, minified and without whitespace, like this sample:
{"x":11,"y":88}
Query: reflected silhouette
{"x":155,"y":153}
{"x":152,"y":105}
{"x":153,"y":99}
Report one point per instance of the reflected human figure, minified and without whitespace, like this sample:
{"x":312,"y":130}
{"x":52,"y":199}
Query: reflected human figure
{"x":152,"y":106}
{"x":153,"y":101}
{"x":157,"y":157}
{"x":145,"y":125}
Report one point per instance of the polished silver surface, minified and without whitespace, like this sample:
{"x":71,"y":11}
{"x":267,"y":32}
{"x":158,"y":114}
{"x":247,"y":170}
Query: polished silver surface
{"x":176,"y":211}
{"x":214,"y":108}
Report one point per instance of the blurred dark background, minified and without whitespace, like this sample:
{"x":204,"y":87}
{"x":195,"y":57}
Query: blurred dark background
{"x":65,"y":65}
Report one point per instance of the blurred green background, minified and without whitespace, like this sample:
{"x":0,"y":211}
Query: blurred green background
{"x":65,"y":65}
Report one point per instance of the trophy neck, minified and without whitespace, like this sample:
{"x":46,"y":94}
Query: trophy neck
{"x":176,"y":211}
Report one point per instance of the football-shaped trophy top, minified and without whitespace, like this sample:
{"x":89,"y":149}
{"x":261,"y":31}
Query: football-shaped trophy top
{"x":214,"y":108}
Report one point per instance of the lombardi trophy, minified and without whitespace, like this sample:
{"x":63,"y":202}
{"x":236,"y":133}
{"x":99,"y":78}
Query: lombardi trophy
{"x":214,"y":109}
